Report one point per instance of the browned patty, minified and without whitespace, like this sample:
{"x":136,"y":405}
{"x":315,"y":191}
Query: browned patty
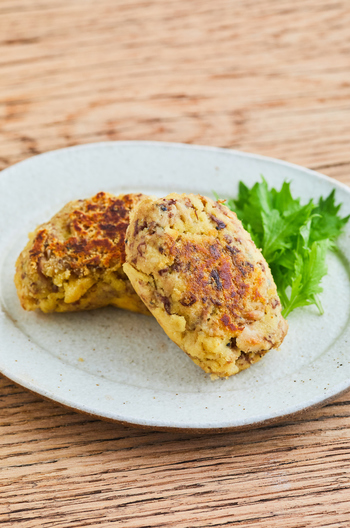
{"x":74,"y":261}
{"x":200,"y":274}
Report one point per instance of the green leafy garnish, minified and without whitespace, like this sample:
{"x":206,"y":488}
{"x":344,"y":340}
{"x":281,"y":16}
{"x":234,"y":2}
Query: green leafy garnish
{"x":294,"y":238}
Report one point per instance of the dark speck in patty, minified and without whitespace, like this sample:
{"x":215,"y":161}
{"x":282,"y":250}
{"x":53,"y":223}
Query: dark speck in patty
{"x":215,"y":275}
{"x":219,"y":223}
{"x":166,"y":303}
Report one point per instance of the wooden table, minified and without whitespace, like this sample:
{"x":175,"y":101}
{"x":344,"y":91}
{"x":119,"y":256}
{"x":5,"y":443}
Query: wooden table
{"x":265,"y":76}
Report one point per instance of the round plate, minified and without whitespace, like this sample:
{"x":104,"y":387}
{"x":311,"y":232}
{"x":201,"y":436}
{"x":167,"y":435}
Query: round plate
{"x":121,"y":366}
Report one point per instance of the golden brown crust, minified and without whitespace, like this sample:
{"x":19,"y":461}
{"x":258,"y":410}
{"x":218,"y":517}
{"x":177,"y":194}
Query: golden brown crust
{"x":202,"y":277}
{"x":74,"y":261}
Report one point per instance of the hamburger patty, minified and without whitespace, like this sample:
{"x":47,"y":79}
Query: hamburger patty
{"x":74,"y":261}
{"x":202,"y":277}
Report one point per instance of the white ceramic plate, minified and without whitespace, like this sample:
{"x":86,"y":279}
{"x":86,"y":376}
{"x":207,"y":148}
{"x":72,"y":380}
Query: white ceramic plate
{"x":121,"y":366}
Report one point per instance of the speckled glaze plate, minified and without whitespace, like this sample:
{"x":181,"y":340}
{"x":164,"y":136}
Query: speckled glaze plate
{"x":121,"y":366}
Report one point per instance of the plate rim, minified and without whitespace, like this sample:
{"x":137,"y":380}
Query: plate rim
{"x":269,"y":422}
{"x":190,"y":146}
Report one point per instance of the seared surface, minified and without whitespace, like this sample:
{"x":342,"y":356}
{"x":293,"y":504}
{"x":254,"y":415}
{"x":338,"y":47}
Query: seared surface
{"x":74,"y":261}
{"x":201,"y":276}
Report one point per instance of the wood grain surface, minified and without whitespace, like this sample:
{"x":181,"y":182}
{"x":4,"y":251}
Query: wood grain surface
{"x":266,"y":76}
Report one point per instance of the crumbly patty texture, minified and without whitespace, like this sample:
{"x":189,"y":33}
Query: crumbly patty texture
{"x":74,"y":261}
{"x":202,"y":277}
